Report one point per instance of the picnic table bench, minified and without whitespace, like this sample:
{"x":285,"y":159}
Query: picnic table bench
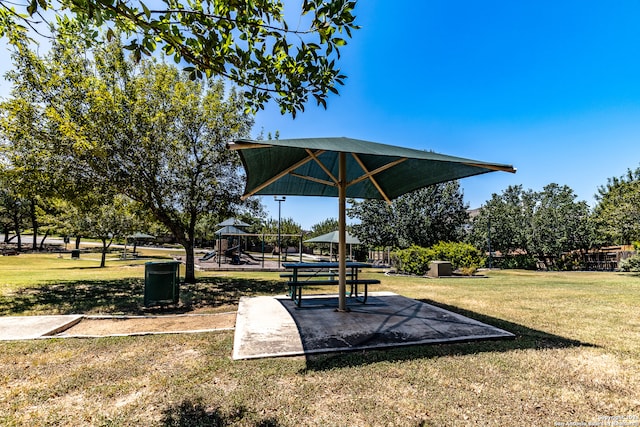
{"x":324,"y":273}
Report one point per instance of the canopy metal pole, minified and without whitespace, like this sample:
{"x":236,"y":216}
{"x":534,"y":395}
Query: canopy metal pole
{"x":342,"y":240}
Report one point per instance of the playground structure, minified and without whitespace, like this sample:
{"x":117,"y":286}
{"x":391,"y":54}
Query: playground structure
{"x":232,"y":246}
{"x":380,"y":256}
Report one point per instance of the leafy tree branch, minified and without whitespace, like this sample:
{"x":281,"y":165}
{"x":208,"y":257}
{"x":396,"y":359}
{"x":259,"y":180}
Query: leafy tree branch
{"x":249,"y":43}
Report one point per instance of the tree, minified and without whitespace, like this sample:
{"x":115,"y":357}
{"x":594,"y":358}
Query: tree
{"x":502,"y":221}
{"x":430,"y":215}
{"x":13,"y":209}
{"x":543,"y":224}
{"x":32,"y":144}
{"x":142,"y":130}
{"x":178,"y":167}
{"x":324,"y":227}
{"x":289,"y":231}
{"x":617,"y":212}
{"x":31,"y":172}
{"x":103,"y":218}
{"x":249,"y":43}
{"x":559,"y":223}
{"x":423,"y":217}
{"x":377,"y":226}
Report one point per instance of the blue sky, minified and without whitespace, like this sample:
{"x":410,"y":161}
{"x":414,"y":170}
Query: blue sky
{"x":550,"y":87}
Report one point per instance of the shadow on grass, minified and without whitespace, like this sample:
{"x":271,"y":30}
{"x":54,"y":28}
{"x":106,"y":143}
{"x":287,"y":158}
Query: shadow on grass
{"x":126,"y":296}
{"x":525,"y":339}
{"x":193,"y":414}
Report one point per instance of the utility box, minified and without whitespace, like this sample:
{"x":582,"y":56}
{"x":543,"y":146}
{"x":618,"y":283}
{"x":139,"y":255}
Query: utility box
{"x":440,"y":269}
{"x":161,"y":283}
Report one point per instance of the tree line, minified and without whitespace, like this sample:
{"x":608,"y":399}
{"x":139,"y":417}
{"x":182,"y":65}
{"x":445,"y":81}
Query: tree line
{"x":525,"y":225}
{"x":95,"y":142}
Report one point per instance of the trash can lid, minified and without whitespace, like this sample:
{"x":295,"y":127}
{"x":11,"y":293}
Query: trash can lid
{"x":162,"y":262}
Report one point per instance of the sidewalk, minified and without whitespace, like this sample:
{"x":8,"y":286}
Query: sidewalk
{"x":32,"y":327}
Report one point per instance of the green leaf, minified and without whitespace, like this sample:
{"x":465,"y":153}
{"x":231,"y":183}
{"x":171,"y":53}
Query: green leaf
{"x":146,"y":10}
{"x":33,"y":7}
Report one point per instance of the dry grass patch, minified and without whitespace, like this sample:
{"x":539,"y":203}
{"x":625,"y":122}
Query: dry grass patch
{"x":101,"y":326}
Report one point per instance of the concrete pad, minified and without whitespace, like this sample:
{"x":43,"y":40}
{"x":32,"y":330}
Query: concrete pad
{"x":32,"y":327}
{"x":274,"y":326}
{"x":265,"y":329}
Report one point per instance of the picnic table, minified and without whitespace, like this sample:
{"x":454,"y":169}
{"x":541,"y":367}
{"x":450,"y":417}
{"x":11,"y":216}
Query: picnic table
{"x":324,"y":273}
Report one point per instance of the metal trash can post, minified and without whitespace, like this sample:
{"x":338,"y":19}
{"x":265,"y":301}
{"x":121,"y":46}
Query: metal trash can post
{"x":161,"y":283}
{"x":75,"y":254}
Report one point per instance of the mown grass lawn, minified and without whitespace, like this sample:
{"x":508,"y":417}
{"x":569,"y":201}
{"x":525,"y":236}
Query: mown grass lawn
{"x":576,"y":358}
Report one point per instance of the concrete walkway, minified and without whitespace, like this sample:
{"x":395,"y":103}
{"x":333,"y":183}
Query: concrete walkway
{"x":274,"y":326}
{"x":32,"y":327}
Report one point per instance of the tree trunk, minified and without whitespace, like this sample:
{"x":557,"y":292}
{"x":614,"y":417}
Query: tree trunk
{"x":190,"y":269}
{"x":46,"y":234}
{"x":103,"y":259}
{"x":78,"y":242}
{"x":189,"y":245}
{"x":185,"y":237}
{"x":34,"y":224}
{"x":16,"y":224}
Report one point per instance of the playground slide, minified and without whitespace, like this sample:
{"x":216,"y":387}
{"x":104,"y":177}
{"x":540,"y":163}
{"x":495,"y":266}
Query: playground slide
{"x":208,"y":256}
{"x":248,"y":255}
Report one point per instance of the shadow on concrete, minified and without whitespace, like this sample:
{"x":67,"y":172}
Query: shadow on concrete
{"x":126,"y":296}
{"x":525,"y":339}
{"x":276,"y":327}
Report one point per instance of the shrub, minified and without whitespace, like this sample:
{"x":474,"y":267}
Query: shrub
{"x":414,"y":259}
{"x":570,"y":262}
{"x":631,"y":264}
{"x":463,"y":257}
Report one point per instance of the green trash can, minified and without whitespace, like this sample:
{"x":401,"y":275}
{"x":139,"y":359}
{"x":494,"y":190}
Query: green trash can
{"x":75,"y":254}
{"x":161,"y":283}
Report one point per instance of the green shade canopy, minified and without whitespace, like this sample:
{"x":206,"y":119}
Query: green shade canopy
{"x":333,"y":237}
{"x":234,"y":222}
{"x":309,"y":167}
{"x":229,"y":230}
{"x":344,"y":167}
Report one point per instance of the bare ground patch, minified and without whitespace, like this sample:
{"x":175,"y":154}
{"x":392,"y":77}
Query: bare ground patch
{"x":118,"y":325}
